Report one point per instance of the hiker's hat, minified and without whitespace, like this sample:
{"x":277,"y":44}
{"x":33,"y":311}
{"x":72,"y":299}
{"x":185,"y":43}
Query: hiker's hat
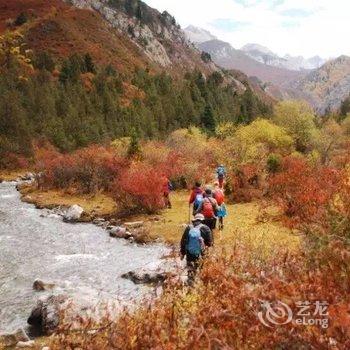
{"x":208,"y":191}
{"x":198,"y":217}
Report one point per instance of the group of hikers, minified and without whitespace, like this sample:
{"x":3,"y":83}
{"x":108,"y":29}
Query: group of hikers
{"x":208,"y":209}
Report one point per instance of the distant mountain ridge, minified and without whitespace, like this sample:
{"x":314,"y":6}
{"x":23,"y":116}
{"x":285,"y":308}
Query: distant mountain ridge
{"x":226,"y":56}
{"x":326,"y":87}
{"x":266,"y":56}
{"x":260,"y":53}
{"x":198,"y":35}
{"x":324,"y":84}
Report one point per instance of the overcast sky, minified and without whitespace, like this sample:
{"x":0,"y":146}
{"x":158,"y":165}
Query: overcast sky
{"x":297,"y":27}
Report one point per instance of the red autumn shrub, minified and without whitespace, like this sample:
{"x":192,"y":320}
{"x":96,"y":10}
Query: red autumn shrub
{"x":198,"y":156}
{"x":159,"y":156}
{"x":221,"y":311}
{"x":96,"y":167}
{"x":140,"y":188}
{"x":302,"y":191}
{"x":12,"y":161}
{"x":48,"y":162}
{"x":328,"y":239}
{"x":87,"y":170}
{"x":245,"y":183}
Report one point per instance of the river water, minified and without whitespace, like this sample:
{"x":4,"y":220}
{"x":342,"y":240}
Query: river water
{"x":80,"y":259}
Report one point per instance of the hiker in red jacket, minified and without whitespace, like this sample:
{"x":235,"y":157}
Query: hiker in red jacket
{"x":209,"y":208}
{"x":196,"y":197}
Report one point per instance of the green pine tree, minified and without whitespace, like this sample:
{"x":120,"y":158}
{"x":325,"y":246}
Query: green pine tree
{"x":134,"y":149}
{"x":208,"y":119}
{"x":89,"y":64}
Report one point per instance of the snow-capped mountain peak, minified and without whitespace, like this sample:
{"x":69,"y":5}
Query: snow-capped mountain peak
{"x":198,"y":35}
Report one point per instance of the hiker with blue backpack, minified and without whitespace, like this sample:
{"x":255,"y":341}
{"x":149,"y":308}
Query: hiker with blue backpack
{"x":194,"y":242}
{"x":221,"y":173}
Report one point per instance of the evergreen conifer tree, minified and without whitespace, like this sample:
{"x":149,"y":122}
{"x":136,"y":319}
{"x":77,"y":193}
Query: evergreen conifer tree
{"x":208,"y":119}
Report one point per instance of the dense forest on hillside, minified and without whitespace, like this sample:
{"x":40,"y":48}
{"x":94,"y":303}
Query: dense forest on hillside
{"x":75,"y":103}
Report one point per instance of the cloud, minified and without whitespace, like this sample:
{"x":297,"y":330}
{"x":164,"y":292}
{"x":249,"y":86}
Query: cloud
{"x":299,"y":13}
{"x":228,"y":24}
{"x":290,"y":24}
{"x":298,"y":27}
{"x":248,"y":3}
{"x":276,"y":3}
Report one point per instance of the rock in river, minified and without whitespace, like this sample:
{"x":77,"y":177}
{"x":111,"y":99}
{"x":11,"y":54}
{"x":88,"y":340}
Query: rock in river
{"x":73,"y":214}
{"x":39,"y":286}
{"x":45,"y":316}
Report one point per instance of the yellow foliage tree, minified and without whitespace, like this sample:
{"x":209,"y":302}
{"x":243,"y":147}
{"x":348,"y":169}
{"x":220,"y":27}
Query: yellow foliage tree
{"x":328,"y":139}
{"x":298,"y":118}
{"x":255,"y":141}
{"x":13,"y":52}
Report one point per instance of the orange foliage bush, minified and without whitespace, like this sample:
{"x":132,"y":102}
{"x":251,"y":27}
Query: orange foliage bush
{"x":12,"y":161}
{"x":220,"y":312}
{"x":140,"y":188}
{"x":303,"y":192}
{"x":87,"y":170}
{"x":159,"y":156}
{"x":245,"y":183}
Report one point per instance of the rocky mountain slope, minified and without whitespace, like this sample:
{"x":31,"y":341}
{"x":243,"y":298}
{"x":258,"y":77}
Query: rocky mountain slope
{"x":325,"y":88}
{"x":127,"y":34}
{"x":156,"y":34}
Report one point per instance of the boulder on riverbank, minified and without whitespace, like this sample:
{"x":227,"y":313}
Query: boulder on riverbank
{"x":143,"y":276}
{"x":73,"y":213}
{"x":140,"y":235}
{"x":119,"y":232}
{"x":45,"y":316}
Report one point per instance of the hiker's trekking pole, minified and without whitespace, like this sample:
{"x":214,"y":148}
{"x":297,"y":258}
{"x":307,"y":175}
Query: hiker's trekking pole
{"x":189,"y":213}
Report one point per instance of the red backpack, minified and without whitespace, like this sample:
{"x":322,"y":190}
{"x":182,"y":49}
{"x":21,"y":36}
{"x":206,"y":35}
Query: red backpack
{"x":219,"y":196}
{"x":208,"y":209}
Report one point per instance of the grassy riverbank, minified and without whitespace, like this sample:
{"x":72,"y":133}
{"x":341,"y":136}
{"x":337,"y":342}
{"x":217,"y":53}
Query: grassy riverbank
{"x":99,"y":205}
{"x":261,"y":229}
{"x":11,"y":175}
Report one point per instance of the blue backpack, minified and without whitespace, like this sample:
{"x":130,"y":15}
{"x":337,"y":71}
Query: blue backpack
{"x":221,"y":171}
{"x":198,"y":201}
{"x":195,"y":241}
